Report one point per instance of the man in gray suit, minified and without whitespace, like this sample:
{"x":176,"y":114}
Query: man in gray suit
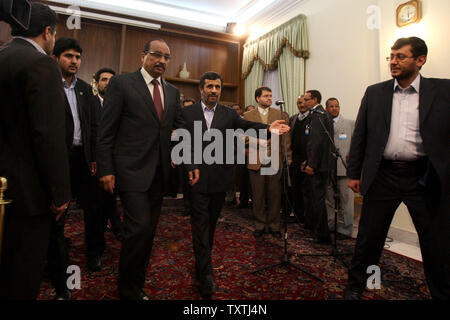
{"x":343,"y":130}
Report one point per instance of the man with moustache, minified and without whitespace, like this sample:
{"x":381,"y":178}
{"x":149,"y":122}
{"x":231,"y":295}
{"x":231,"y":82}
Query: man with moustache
{"x":107,"y":201}
{"x":343,"y":130}
{"x":317,"y":164}
{"x":300,"y":192}
{"x":33,"y":153}
{"x":400,"y":152}
{"x":210,"y":182}
{"x":133,"y":156}
{"x":266,"y":189}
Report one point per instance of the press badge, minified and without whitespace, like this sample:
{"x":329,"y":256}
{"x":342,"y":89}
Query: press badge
{"x":342,"y":136}
{"x":307,"y":131}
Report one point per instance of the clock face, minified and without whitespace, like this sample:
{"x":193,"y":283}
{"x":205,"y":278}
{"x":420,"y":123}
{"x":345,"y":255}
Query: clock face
{"x":407,"y":13}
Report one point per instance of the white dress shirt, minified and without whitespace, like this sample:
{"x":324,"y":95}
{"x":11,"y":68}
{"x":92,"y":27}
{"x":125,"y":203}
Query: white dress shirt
{"x":148,"y":81}
{"x":263,"y":111}
{"x":405,"y":142}
{"x":208,"y":114}
{"x":303,"y":115}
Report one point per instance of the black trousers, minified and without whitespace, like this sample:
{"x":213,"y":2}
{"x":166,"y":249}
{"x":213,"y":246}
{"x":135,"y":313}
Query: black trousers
{"x":393,"y":185}
{"x":206,"y":208}
{"x":297,"y":192}
{"x":58,"y":255}
{"x":108,"y":208}
{"x":140,"y":219}
{"x":85,"y":188}
{"x":244,"y":184}
{"x":25,"y":244}
{"x":319,"y":216}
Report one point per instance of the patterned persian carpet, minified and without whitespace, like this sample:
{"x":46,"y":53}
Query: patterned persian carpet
{"x":236,"y":254}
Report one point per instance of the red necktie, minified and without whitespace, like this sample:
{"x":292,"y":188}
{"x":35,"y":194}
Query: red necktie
{"x":157,"y":98}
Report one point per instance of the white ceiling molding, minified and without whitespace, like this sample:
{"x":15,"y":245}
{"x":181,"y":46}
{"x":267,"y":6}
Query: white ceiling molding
{"x":202,"y":14}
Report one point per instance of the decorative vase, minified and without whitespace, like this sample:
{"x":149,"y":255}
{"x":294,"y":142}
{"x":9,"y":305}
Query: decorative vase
{"x":184,"y":74}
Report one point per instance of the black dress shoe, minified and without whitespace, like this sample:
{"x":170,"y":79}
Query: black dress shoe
{"x":258,"y":233}
{"x":341,"y":236}
{"x":276,"y":234}
{"x":143,"y":296}
{"x":207,"y":287}
{"x":94,"y":264}
{"x":322,"y":240}
{"x":352,"y":294}
{"x":64,"y":295}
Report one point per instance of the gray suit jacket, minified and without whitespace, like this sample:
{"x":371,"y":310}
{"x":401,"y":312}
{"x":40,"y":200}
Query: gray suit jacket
{"x":342,"y":139}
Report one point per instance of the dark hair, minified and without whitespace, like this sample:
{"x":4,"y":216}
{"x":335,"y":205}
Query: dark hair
{"x":330,"y":99}
{"x":41,"y":17}
{"x":418,"y":46}
{"x":260,"y":90}
{"x":63,"y":44}
{"x":237,"y":104}
{"x":315,"y":94}
{"x":188,"y":100}
{"x":250,"y":105}
{"x":102,"y":70}
{"x":147,"y":44}
{"x":210,"y":75}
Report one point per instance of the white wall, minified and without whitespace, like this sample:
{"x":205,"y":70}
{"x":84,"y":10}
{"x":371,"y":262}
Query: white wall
{"x":346,"y":56}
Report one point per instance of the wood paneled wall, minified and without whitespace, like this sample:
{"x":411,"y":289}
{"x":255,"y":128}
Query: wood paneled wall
{"x":119,"y":47}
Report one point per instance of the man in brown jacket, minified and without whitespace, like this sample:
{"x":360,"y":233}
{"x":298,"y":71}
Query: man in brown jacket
{"x":266,"y":188}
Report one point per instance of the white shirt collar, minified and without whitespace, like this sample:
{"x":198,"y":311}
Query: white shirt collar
{"x":315,"y":106}
{"x":415,"y":84}
{"x":205,"y":107}
{"x":263,"y":111}
{"x":335,"y":120}
{"x":303,"y":115}
{"x":148,"y":78}
{"x":34,"y":43}
{"x":101,"y":99}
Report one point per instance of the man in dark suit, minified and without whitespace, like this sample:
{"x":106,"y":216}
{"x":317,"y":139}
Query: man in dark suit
{"x":317,"y":164}
{"x":33,"y":154}
{"x":140,"y":112}
{"x":401,"y":147}
{"x":299,"y":124}
{"x":107,"y":201}
{"x":80,"y":135}
{"x":210,"y":182}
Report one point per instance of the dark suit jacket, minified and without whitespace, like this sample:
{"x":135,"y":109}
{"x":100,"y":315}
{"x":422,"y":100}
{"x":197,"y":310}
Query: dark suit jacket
{"x":374,"y":121}
{"x":33,"y":153}
{"x":131,"y":139}
{"x":86,"y":105}
{"x":318,"y":149}
{"x":215,"y":177}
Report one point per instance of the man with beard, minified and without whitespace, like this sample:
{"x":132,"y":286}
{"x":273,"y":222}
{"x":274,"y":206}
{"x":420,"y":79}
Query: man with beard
{"x":107,"y":201}
{"x":400,"y":152}
{"x":266,"y":189}
{"x":33,"y":154}
{"x":211,"y":181}
{"x":133,"y":156}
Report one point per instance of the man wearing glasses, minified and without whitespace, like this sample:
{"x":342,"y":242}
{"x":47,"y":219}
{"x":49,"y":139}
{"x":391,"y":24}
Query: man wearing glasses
{"x":133,"y":149}
{"x":401,"y":146}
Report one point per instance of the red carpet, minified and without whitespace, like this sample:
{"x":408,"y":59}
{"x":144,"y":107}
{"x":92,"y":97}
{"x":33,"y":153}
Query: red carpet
{"x":236,"y":254}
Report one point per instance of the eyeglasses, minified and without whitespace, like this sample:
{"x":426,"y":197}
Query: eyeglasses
{"x":400,"y":57}
{"x":159,"y":55}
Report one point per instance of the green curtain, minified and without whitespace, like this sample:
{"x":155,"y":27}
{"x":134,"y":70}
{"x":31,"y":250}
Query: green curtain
{"x":284,"y":48}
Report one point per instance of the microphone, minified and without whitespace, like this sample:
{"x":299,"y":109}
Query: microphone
{"x":279,"y":102}
{"x":316,"y":111}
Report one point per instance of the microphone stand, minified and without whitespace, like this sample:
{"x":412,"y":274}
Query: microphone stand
{"x":336,"y":154}
{"x":285,"y":259}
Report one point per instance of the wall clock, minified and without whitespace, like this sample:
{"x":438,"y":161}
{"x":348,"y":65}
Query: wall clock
{"x":409,"y":12}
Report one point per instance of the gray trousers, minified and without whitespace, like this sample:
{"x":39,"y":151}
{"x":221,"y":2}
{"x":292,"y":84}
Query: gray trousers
{"x":266,"y":189}
{"x":346,"y":210}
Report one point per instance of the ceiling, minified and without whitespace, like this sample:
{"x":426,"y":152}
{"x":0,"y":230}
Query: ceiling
{"x":252,"y":16}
